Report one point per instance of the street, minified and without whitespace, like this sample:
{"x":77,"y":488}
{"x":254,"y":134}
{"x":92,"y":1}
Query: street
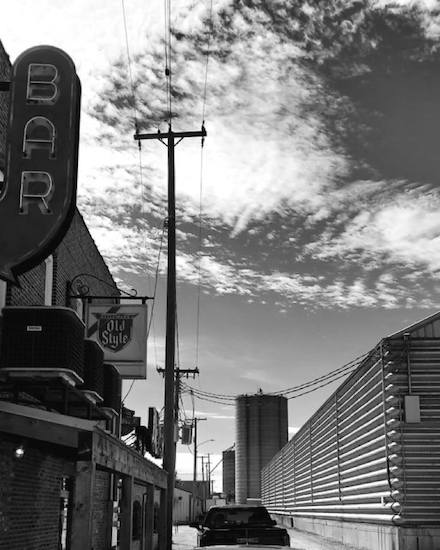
{"x":184,"y":538}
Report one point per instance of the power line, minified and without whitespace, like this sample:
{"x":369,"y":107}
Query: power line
{"x":309,"y":387}
{"x":167,"y":44}
{"x":129,"y":66}
{"x":341,"y":370}
{"x":199,"y":285}
{"x":152,"y":306}
{"x":207,"y":63}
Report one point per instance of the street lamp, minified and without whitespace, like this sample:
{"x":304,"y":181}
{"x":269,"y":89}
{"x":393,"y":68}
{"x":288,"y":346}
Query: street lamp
{"x":203,"y":442}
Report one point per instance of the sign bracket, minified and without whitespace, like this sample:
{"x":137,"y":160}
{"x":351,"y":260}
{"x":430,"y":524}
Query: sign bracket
{"x":82,"y":291}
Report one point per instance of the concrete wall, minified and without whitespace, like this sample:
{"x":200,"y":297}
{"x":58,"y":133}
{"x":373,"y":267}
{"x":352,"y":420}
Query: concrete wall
{"x":367,"y":536}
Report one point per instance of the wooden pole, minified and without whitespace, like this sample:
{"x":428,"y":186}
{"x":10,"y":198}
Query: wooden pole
{"x":169,"y":452}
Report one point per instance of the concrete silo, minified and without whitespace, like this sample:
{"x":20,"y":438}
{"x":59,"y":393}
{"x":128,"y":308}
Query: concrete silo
{"x":229,"y":475}
{"x":261,"y":431}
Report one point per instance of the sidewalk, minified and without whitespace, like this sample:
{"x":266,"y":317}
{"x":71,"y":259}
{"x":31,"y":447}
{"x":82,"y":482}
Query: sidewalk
{"x":185,"y":538}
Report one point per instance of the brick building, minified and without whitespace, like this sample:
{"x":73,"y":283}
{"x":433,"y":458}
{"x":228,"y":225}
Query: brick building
{"x":67,"y":481}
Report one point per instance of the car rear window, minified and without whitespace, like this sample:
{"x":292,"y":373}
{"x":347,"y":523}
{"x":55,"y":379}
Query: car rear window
{"x":224,"y":517}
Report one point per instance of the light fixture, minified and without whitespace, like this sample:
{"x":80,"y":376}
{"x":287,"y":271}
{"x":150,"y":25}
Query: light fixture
{"x":19,"y":451}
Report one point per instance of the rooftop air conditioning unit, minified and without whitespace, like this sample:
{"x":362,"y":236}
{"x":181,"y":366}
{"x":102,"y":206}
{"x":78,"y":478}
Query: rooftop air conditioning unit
{"x":42,"y":337}
{"x":93,"y":368}
{"x":112,"y":388}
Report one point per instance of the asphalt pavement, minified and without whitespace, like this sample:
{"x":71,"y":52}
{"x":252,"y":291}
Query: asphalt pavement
{"x":185,"y":538}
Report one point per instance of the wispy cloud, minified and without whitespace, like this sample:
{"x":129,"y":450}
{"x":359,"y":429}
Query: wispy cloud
{"x":312,"y":181}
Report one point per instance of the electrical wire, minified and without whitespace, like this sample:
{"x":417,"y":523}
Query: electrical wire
{"x":199,"y":283}
{"x":167,"y":45}
{"x":135,"y":116}
{"x":129,"y":68}
{"x":199,"y":267}
{"x":207,"y":63}
{"x":300,"y":390}
{"x":153,"y":303}
{"x":344,"y":369}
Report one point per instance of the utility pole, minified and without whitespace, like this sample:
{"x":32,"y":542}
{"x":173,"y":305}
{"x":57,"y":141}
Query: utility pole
{"x":195,"y":469}
{"x":203,"y":484}
{"x":208,"y":475}
{"x":169,"y":453}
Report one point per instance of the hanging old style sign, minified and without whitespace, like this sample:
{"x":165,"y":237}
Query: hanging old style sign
{"x":121,"y":331}
{"x":38,"y":197}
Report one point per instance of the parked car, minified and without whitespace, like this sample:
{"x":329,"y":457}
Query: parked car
{"x":237,"y":524}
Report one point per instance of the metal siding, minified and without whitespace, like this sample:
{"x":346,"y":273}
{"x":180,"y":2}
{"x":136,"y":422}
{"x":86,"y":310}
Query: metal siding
{"x":357,"y":459}
{"x":417,"y":366}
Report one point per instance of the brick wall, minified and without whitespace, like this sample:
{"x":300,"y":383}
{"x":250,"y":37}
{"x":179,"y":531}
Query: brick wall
{"x":101,"y":513}
{"x":76,"y":255}
{"x":31,"y":292}
{"x":30,"y":494}
{"x":5,"y":75}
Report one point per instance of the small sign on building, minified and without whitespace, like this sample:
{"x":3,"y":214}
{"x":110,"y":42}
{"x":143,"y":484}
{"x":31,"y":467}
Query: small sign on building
{"x":121,"y":330}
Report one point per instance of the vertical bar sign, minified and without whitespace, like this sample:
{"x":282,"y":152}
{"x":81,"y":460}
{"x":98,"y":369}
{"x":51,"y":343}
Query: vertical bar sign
{"x":38,"y":198}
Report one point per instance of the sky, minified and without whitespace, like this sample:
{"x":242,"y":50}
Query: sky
{"x":308,"y":223}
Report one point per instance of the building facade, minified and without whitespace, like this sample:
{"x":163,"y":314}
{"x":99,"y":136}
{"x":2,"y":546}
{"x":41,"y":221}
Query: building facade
{"x":261,"y":431}
{"x":67,"y":480}
{"x":365,"y":468}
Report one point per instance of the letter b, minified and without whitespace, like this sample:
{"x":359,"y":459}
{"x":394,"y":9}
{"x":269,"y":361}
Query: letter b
{"x":42,"y":83}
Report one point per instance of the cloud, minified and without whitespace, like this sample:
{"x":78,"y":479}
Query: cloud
{"x":399,"y":226}
{"x":307,"y":186}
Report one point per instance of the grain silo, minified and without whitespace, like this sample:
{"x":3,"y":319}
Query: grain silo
{"x":229,"y":475}
{"x":261,"y":431}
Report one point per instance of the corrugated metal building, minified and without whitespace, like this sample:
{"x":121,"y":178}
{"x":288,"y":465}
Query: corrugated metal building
{"x":365,"y":468}
{"x":261,"y":431}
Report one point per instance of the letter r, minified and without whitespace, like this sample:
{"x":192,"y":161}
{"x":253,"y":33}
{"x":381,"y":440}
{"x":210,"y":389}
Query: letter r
{"x":36,"y":187}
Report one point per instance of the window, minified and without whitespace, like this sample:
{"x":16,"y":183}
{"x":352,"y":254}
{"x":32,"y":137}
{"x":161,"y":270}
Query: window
{"x":137,"y":520}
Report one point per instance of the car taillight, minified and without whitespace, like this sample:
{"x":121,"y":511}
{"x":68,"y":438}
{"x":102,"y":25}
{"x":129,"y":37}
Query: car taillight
{"x":286,"y":540}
